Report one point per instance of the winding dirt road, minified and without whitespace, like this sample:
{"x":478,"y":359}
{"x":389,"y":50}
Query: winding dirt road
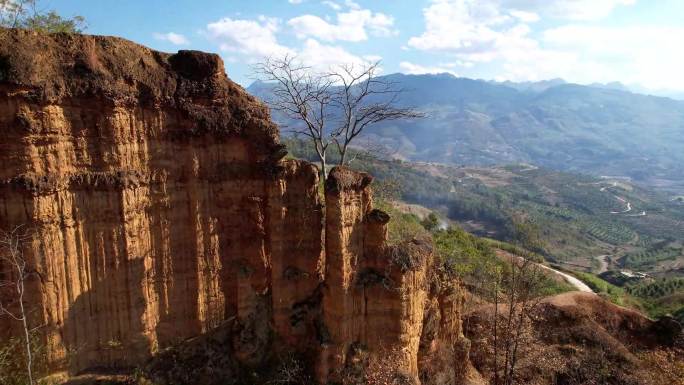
{"x":603,"y":263}
{"x":579,"y":285}
{"x":626,"y":210}
{"x":628,"y":205}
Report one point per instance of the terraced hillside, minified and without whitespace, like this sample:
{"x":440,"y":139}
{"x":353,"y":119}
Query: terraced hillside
{"x":576,"y":218}
{"x":616,"y":234}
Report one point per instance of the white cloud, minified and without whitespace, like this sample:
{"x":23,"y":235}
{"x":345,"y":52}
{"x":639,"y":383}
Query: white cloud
{"x":353,"y":26}
{"x":372,"y":58}
{"x":352,"y":4}
{"x":477,"y":24}
{"x":417,"y":69}
{"x":646,"y":54}
{"x":483,"y":33}
{"x":465,"y":64}
{"x":459,"y":25}
{"x":524,"y":16}
{"x":295,"y":1}
{"x":322,"y":57}
{"x":332,"y":5}
{"x":567,"y":9}
{"x":253,"y":38}
{"x":173,"y":38}
{"x":258,"y":39}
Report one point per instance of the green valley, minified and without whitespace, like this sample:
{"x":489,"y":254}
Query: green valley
{"x":594,"y":227}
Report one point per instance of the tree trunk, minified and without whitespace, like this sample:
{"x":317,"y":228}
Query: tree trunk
{"x":12,"y":241}
{"x":29,"y":356}
{"x":511,"y":315}
{"x":321,"y":151}
{"x":496,"y":322}
{"x":514,"y":353}
{"x":343,"y":155}
{"x":323,"y":167}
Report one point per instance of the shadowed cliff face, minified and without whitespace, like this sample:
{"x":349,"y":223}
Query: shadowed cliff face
{"x":161,"y":209}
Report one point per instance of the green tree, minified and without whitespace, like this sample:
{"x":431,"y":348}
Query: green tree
{"x":431,"y":222}
{"x":527,"y":235}
{"x":27,"y":14}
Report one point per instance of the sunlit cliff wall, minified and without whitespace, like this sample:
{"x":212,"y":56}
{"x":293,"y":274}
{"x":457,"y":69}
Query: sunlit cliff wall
{"x":160,"y":207}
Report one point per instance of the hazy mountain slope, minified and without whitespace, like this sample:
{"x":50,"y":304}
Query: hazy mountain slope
{"x":603,"y":131}
{"x":553,"y":124}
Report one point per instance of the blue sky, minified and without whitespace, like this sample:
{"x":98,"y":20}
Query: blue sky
{"x":637,"y":42}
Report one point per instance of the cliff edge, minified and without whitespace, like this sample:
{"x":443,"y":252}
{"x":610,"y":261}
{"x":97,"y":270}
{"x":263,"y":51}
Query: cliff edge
{"x":162,"y":214}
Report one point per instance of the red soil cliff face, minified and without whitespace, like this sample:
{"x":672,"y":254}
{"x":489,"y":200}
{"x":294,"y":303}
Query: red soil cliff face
{"x":161,"y":208}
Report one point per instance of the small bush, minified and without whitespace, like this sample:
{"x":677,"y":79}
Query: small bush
{"x":13,"y":360}
{"x":405,"y":258}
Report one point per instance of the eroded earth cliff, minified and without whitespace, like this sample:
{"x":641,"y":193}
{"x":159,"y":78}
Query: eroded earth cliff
{"x":160,"y":209}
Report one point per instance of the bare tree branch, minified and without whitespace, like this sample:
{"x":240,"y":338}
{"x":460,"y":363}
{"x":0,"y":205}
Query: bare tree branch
{"x":522,"y":284}
{"x":365,"y":100}
{"x":333,"y":107}
{"x":301,"y":96}
{"x":14,"y":265}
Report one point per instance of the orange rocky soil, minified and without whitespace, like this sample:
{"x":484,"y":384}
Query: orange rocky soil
{"x":579,"y":338}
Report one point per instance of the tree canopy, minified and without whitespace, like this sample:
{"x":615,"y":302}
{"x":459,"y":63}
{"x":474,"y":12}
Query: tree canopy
{"x":28,"y":14}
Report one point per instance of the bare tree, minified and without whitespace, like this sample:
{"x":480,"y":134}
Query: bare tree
{"x":333,"y":107}
{"x":14,"y":271}
{"x":303,"y":96}
{"x":373,"y":150}
{"x":364,"y":100}
{"x":520,"y":288}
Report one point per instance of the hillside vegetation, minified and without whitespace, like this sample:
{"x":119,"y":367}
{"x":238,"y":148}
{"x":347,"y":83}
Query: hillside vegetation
{"x":577,"y":217}
{"x":576,"y":221}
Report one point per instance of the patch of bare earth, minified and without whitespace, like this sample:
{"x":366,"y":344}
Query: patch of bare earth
{"x":578,"y":338}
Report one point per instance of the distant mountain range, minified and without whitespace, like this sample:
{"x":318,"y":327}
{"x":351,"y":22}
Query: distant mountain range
{"x":601,"y":129}
{"x":546,"y":84}
{"x":543,"y":85}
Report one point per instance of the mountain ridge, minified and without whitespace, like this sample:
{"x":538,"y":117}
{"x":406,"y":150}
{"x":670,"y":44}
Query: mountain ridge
{"x":569,"y":127}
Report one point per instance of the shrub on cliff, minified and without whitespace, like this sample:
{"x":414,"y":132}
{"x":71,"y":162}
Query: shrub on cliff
{"x":463,"y":252}
{"x":28,"y":14}
{"x":13,"y":360}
